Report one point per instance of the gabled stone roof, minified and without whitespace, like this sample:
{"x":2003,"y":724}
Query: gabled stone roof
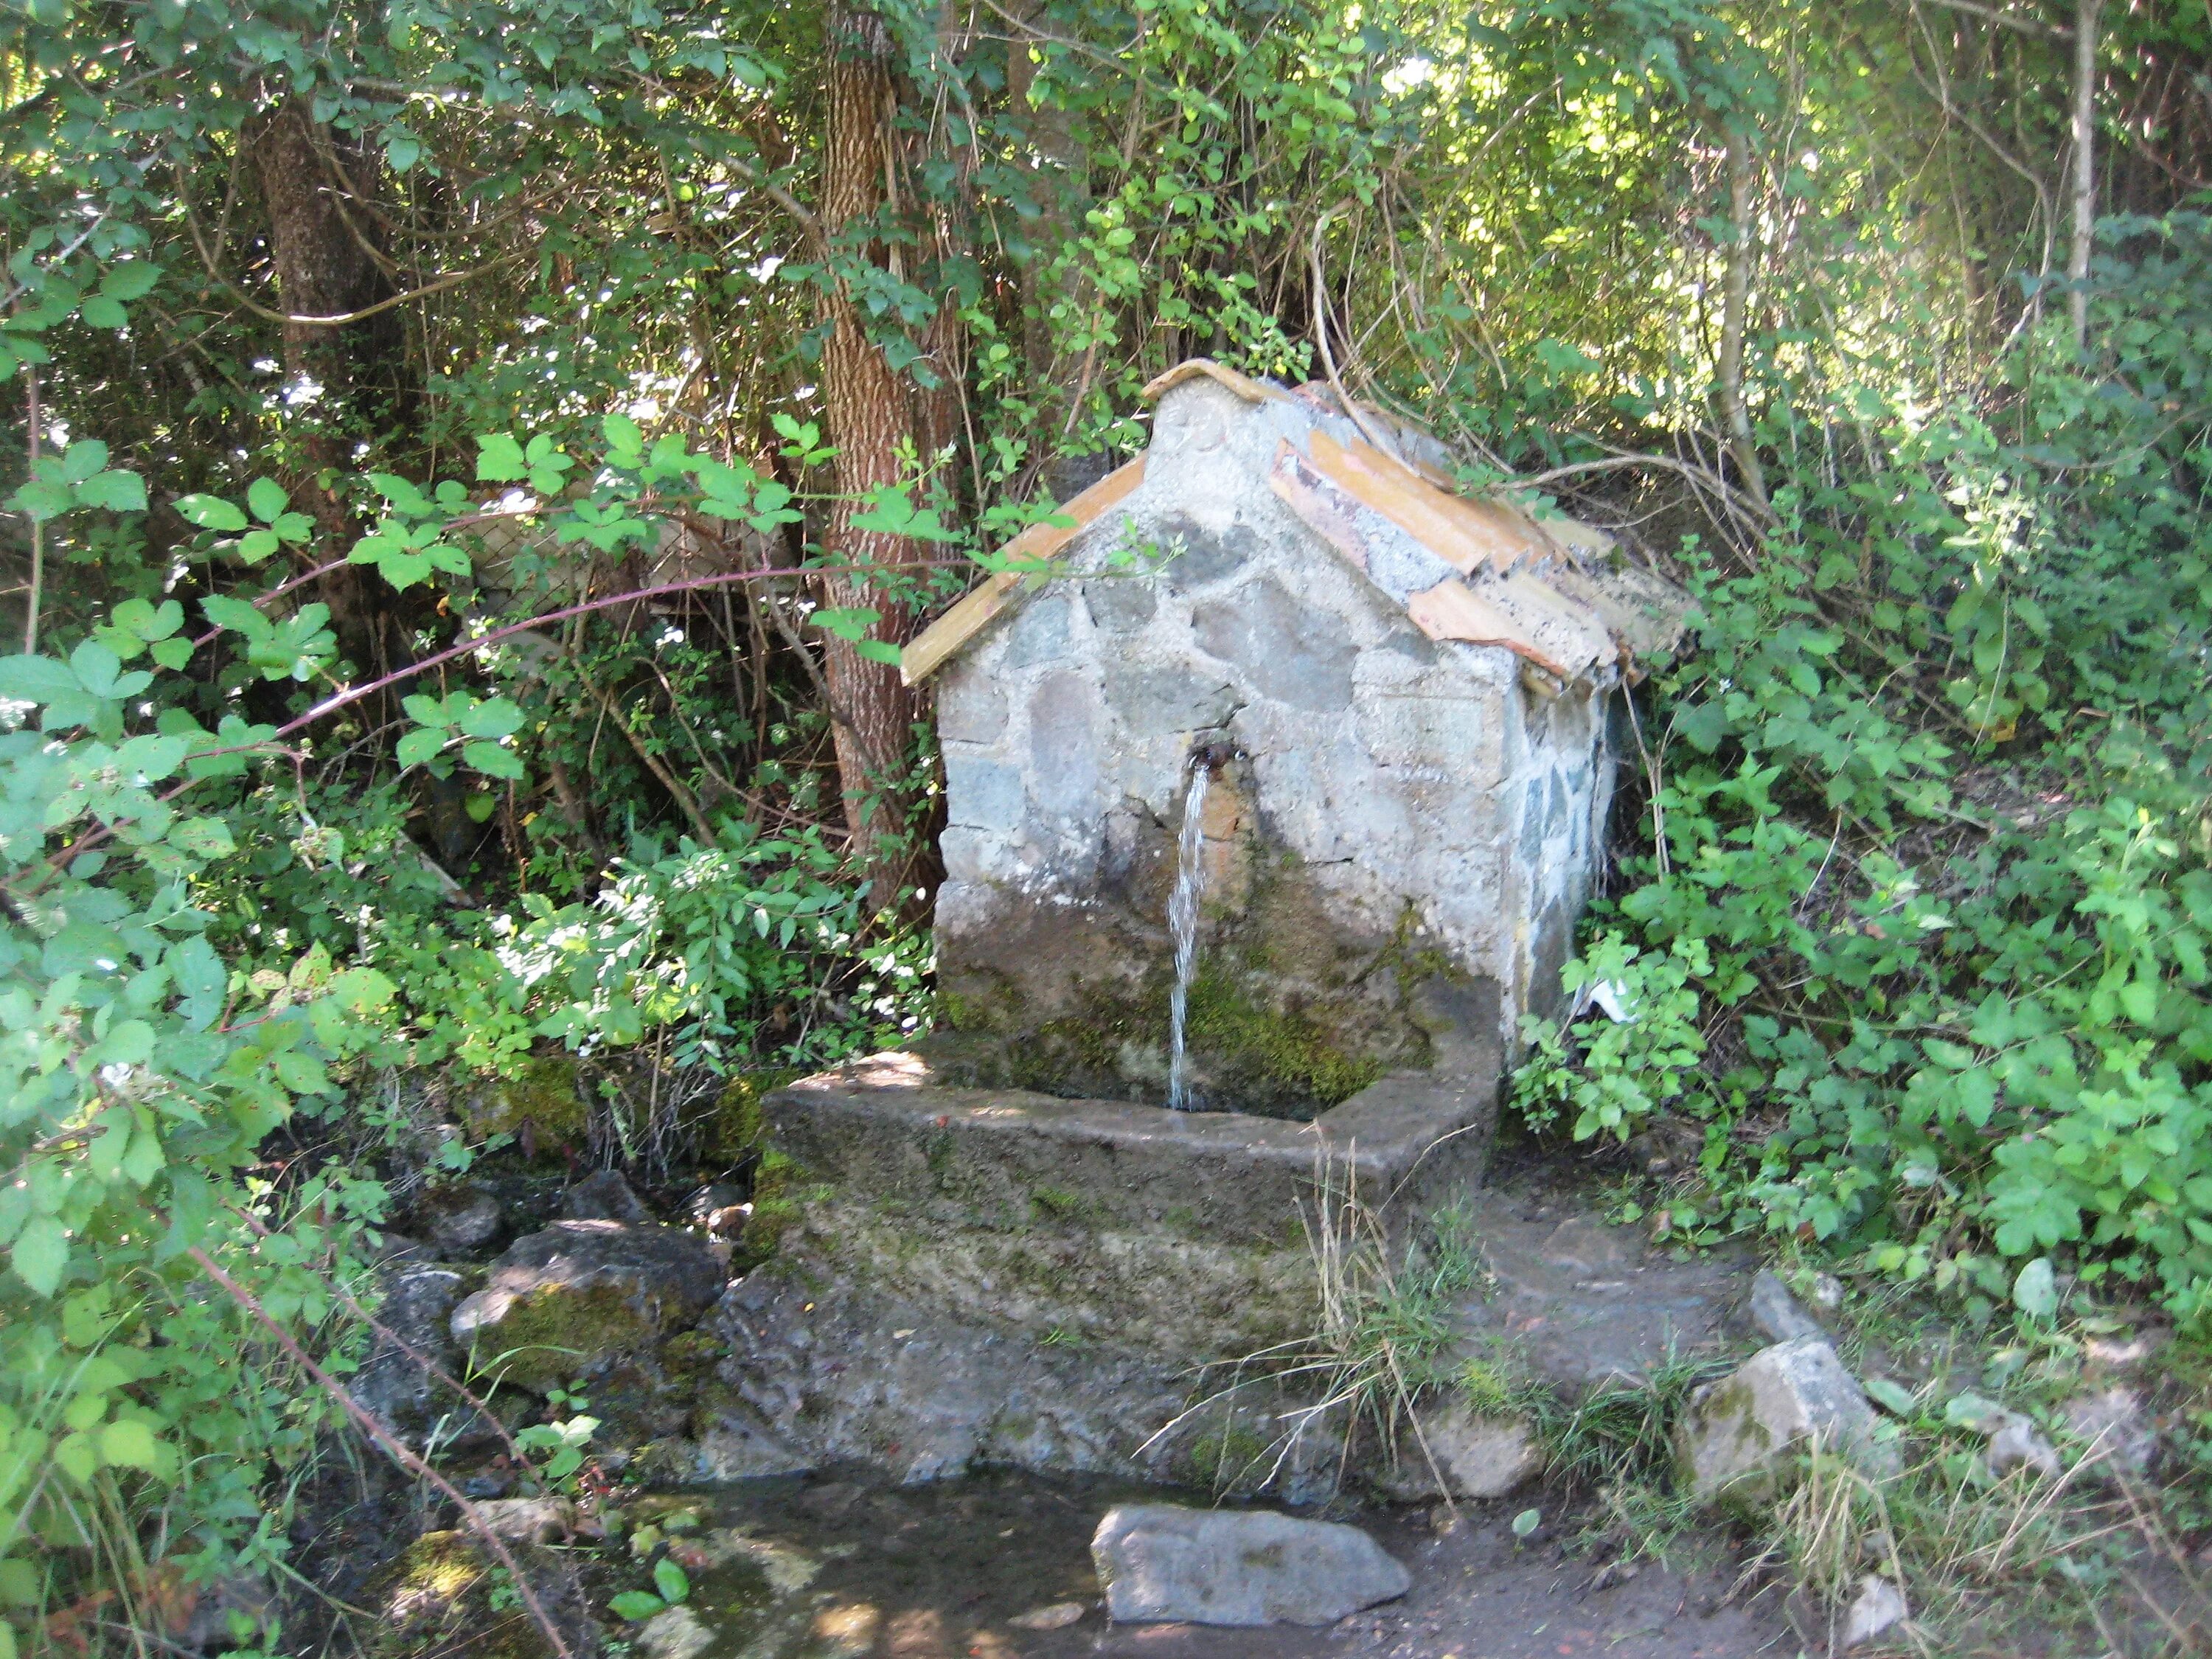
{"x":1559,"y":594}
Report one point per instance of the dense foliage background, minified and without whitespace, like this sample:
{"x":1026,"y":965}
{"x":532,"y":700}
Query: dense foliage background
{"x":469,"y":465}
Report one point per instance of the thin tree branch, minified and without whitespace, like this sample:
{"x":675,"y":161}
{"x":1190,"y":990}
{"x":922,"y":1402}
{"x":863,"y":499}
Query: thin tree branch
{"x":2009,"y":19}
{"x":392,"y":1448}
{"x":207,"y":259}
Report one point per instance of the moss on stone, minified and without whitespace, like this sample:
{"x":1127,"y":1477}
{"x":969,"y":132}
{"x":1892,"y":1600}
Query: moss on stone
{"x":733,"y":1131}
{"x":549,"y":1335}
{"x":1058,"y":1204}
{"x":443,"y":1595}
{"x":543,"y":1094}
{"x":781,"y":1191}
{"x":1286,"y":1064}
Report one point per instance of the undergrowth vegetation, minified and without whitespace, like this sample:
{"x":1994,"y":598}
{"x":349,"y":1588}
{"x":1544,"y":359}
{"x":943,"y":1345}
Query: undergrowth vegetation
{"x":1918,"y":933}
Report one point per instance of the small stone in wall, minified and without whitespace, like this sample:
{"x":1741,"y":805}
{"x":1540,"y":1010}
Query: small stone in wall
{"x":1161,"y":1562}
{"x":1738,"y":1436}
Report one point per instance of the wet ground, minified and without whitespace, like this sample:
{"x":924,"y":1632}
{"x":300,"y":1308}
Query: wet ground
{"x":827,"y":1568}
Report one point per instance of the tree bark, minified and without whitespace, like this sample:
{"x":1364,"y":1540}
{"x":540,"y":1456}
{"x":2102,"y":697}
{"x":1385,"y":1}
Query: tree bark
{"x":1735,"y":306}
{"x":323,"y":269}
{"x":870,"y":419}
{"x":2085,"y":169}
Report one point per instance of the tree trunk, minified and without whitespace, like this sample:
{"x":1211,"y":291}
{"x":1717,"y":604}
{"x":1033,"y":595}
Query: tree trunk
{"x":1735,"y":308}
{"x":870,"y":419}
{"x":323,"y":269}
{"x":2085,"y":169}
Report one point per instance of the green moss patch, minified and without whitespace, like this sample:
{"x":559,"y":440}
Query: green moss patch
{"x":542,"y":1096}
{"x":547,"y":1337}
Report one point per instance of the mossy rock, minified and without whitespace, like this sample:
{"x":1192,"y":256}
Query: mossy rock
{"x":557,"y":1333}
{"x":781,"y":1192}
{"x":734,"y":1132}
{"x":581,"y":1293}
{"x":446,"y":1593}
{"x":543,"y":1095}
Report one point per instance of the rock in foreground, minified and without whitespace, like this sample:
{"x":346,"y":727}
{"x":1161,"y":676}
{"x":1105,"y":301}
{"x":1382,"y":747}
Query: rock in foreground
{"x":1738,"y":1435}
{"x":583,"y":1291}
{"x":1162,"y":1563}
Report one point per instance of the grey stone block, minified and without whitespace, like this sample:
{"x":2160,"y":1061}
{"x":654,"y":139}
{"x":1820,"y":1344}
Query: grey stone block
{"x":1162,"y":1563}
{"x":981,"y":792}
{"x":1064,"y":748}
{"x":970,"y":709}
{"x":1462,"y":1453}
{"x":1737,"y":1437}
{"x":1776,"y":1313}
{"x":1287,"y":650}
{"x":1120,"y":605}
{"x":1181,"y":698}
{"x":1206,"y":557}
{"x":1039,"y":634}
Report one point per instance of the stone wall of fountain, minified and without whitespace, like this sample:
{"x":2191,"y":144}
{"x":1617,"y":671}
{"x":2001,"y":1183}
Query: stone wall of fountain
{"x":1404,"y":815}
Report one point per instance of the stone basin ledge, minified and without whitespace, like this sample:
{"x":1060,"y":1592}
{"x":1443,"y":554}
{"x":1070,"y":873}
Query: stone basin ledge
{"x":883,"y":1129}
{"x":1172,"y":1238}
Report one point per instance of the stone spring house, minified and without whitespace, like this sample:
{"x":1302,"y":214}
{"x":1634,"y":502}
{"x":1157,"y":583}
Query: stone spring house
{"x":1413,"y":690}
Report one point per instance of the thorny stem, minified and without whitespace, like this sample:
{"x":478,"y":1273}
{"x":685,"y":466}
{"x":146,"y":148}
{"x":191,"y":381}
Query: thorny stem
{"x":392,"y":1447}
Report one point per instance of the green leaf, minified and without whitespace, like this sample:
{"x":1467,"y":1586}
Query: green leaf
{"x":2035,"y":1291}
{"x":37,"y":679}
{"x":19,"y":1584}
{"x":211,"y":513}
{"x":101,"y":312}
{"x":500,"y":459}
{"x":203,"y":838}
{"x":113,"y":491}
{"x":878,"y":651}
{"x":1893,"y":1397}
{"x":668,"y":1579}
{"x":97,"y":668}
{"x":1527,"y":1522}
{"x":43,"y":499}
{"x":267,"y":498}
{"x":491,"y":760}
{"x":41,"y":1251}
{"x":495,"y":718}
{"x":637,"y":1605}
{"x":420,"y":744}
{"x":846,"y":625}
{"x":128,"y":1445}
{"x":132,"y":281}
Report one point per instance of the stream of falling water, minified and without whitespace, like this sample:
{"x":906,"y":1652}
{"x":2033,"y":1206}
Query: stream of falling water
{"x":1182,"y":928}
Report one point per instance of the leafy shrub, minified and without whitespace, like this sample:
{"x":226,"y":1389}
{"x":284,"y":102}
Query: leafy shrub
{"x":1924,"y":930}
